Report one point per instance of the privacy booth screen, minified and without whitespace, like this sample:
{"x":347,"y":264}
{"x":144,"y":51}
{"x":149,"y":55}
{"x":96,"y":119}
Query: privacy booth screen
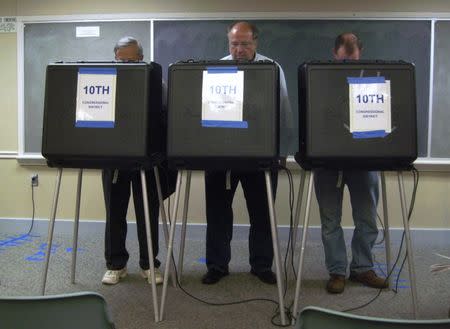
{"x":99,"y":115}
{"x":223,"y":114}
{"x":357,"y":114}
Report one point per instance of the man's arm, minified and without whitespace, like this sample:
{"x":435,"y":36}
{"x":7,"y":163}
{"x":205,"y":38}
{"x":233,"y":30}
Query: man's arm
{"x":286,"y":119}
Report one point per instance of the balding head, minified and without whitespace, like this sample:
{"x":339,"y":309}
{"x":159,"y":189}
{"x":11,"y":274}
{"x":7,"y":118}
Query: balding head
{"x":347,"y":46}
{"x":242,"y":40}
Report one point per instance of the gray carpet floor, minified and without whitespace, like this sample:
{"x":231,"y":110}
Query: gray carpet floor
{"x":130,"y":302}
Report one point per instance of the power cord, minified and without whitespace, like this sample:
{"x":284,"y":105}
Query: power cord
{"x":290,"y":245}
{"x":33,"y":210}
{"x":416,"y":176}
{"x":288,"y":309}
{"x":411,"y":208}
{"x":276,"y":311}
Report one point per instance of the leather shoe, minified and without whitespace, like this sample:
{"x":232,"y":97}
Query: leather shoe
{"x":213,"y":276}
{"x":336,"y":284}
{"x":265,"y":276}
{"x":370,"y":279}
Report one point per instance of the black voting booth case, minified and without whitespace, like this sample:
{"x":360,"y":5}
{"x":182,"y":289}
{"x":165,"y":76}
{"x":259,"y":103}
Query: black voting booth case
{"x":103,"y":115}
{"x":248,"y":144}
{"x":134,"y":137}
{"x":324,"y":116}
{"x":223,"y":115}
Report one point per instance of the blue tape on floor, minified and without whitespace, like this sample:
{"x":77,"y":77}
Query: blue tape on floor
{"x":201,"y":260}
{"x":39,"y":256}
{"x":384,"y":266}
{"x":70,"y":249}
{"x":15,"y":241}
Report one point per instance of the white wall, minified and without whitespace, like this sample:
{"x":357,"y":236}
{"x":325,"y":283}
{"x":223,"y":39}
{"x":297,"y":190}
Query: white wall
{"x":432,"y":206}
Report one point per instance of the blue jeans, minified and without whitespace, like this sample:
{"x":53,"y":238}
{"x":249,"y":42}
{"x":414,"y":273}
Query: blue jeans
{"x":363,"y":188}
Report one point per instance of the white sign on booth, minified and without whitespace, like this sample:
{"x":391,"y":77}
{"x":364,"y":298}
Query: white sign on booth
{"x":370,"y":107}
{"x":223,"y":97}
{"x":96,"y":98}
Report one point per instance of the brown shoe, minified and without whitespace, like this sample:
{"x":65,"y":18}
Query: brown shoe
{"x":370,"y":279}
{"x":336,"y":284}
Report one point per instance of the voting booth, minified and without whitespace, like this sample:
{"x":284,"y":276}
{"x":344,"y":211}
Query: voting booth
{"x":357,"y":114}
{"x":223,"y":115}
{"x":102,"y":115}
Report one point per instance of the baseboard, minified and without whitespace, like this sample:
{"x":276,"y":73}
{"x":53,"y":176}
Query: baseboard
{"x":197,"y":231}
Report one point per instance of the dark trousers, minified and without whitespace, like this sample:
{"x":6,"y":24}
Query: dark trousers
{"x":219,"y":217}
{"x":117,"y":196}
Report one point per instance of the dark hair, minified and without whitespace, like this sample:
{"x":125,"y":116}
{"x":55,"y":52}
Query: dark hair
{"x":253,"y":28}
{"x":349,"y":40}
{"x":128,"y":41}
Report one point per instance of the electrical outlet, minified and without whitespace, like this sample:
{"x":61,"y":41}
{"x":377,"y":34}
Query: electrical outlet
{"x":34,"y":180}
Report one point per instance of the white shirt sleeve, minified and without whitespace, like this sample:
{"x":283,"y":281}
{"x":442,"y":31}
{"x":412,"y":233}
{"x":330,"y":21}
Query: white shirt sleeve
{"x":286,"y":118}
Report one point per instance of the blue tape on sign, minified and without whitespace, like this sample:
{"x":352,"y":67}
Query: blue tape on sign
{"x":97,"y":70}
{"x":365,"y":80}
{"x":224,"y":124}
{"x":370,"y":134}
{"x":221,"y":69}
{"x":94,"y":124}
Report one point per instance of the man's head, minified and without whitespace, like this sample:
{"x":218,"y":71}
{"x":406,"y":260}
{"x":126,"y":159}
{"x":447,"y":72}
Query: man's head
{"x":242,"y":40}
{"x":128,"y":49}
{"x":347,"y":46}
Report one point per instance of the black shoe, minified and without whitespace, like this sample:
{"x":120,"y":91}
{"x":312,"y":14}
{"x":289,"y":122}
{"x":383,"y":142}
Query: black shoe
{"x":265,"y":276}
{"x":213,"y":276}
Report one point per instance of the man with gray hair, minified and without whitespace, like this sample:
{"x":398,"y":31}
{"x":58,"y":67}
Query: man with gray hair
{"x":128,"y":49}
{"x":116,"y":190}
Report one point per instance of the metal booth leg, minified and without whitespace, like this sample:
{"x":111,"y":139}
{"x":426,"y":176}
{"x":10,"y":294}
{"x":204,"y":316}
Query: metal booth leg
{"x":297,"y":211}
{"x":75,"y":226}
{"x":183,"y":224}
{"x":163,"y":216}
{"x":161,"y":204}
{"x":149,"y":244}
{"x":409,"y":250}
{"x":387,"y":235}
{"x":276,"y":246}
{"x":303,"y":245}
{"x":51,"y":226}
{"x":170,"y":247}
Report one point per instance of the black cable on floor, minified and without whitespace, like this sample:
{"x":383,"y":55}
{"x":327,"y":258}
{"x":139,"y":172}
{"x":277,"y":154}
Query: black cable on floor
{"x":411,"y":208}
{"x":276,"y":311}
{"x":416,"y":176}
